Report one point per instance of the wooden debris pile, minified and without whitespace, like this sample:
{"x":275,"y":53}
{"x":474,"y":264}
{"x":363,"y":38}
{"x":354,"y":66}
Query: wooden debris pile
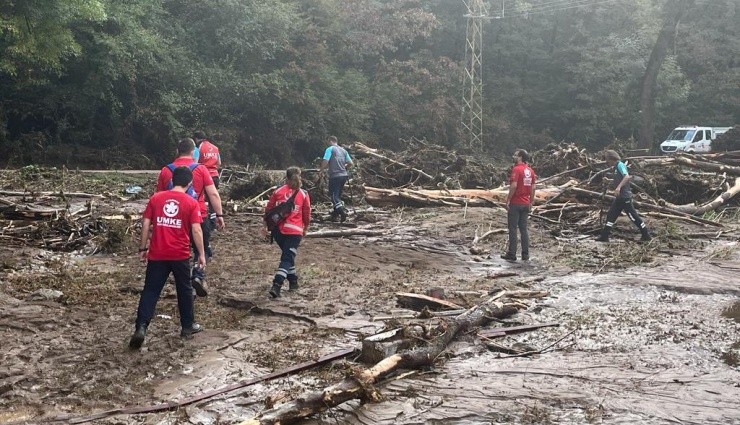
{"x":728,"y":141}
{"x":554,"y":159}
{"x":411,"y":347}
{"x":50,"y":228}
{"x":422,"y":164}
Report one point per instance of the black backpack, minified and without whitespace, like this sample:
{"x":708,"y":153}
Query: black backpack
{"x":277,"y":214}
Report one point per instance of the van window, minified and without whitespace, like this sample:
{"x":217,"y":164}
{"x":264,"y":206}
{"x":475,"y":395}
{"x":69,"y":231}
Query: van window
{"x":707,"y":134}
{"x":685,"y":135}
{"x":698,"y":136}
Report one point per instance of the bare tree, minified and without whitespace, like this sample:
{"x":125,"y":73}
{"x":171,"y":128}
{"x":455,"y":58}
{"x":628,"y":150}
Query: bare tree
{"x":673,"y":12}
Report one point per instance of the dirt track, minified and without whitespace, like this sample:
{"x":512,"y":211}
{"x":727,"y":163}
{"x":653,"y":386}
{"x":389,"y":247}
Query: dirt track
{"x":652,"y":344}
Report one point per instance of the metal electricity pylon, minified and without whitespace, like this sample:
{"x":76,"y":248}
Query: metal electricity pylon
{"x":472,"y":102}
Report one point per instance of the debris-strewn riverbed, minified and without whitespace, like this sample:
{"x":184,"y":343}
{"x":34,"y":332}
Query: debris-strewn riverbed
{"x":650,"y":338}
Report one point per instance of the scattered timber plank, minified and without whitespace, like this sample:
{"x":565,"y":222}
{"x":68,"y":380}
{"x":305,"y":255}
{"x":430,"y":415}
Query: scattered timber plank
{"x":422,"y":314}
{"x":418,"y":302}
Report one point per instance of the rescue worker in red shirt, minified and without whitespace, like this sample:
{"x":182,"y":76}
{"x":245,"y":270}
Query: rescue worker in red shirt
{"x":172,"y":216}
{"x":202,"y":186}
{"x":290,"y":231}
{"x":518,"y":204}
{"x":209,"y":155}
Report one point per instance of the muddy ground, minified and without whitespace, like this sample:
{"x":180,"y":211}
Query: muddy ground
{"x":655,"y":334}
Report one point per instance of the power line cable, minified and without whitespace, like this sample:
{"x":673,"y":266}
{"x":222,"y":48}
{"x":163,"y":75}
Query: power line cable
{"x":555,"y":9}
{"x":546,"y":5}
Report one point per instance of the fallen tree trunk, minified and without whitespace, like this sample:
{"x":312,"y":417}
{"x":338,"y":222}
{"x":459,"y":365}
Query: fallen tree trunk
{"x":715,"y":167}
{"x":378,"y":197}
{"x":712,"y":205}
{"x":360,"y":385}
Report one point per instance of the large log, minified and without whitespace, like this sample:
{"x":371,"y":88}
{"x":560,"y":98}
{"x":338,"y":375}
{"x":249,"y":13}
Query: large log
{"x":360,"y":384}
{"x":715,"y":167}
{"x":711,"y":205}
{"x":378,"y":197}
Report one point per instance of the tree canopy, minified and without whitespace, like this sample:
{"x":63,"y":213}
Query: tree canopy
{"x":116,"y":82}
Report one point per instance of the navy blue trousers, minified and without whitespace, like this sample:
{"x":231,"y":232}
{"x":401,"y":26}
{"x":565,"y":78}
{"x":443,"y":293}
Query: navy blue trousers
{"x":336,"y":185}
{"x":156,"y":276}
{"x":289,"y":246}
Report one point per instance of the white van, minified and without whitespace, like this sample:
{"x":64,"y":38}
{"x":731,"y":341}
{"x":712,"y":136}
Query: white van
{"x":691,"y":139}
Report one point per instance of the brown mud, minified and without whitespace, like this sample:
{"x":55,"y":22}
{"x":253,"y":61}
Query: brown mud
{"x":655,"y":329}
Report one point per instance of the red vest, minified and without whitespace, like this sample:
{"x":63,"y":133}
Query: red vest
{"x":209,"y":157}
{"x":300,"y":217}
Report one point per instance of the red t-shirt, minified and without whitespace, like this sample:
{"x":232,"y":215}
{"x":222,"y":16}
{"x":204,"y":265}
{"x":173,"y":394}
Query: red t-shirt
{"x":201,"y":179}
{"x":300,"y":217}
{"x":172,"y":214}
{"x":209,"y":157}
{"x":525,"y":178}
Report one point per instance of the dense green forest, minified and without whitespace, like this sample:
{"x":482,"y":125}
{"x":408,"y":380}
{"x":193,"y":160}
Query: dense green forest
{"x":113,"y":83}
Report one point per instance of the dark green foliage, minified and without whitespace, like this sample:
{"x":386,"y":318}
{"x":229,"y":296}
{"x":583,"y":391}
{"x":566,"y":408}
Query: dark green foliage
{"x":112,"y":83}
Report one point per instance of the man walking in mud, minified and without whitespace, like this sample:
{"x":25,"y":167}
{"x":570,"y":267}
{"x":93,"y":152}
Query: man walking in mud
{"x":622,"y":199}
{"x":336,"y":160}
{"x":172,"y":215}
{"x":202,"y":186}
{"x":518,"y":203}
{"x":208,"y":155}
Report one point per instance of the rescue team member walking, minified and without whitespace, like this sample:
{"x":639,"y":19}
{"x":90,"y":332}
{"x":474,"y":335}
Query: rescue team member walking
{"x":518,"y":203}
{"x":203,"y":186}
{"x":209,"y":155}
{"x":622,"y":199}
{"x":336,"y":160}
{"x":290,"y":231}
{"x":172,"y":215}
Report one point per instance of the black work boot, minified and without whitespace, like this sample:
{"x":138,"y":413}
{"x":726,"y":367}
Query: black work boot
{"x":193,"y":329}
{"x":509,"y":257}
{"x":342,"y":215}
{"x":645,"y":235}
{"x":334,"y":216}
{"x":137,"y":339}
{"x":275,"y":290}
{"x":604,"y":236}
{"x":200,"y":287}
{"x":293,"y":284}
